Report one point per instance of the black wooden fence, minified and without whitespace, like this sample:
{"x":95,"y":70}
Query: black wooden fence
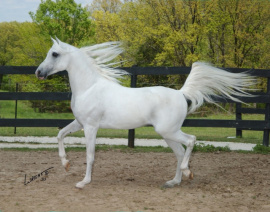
{"x":238,"y":124}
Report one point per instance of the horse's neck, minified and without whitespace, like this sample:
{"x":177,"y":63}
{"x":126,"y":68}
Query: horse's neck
{"x":82,"y":76}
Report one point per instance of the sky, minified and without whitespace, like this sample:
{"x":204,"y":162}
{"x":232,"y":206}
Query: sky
{"x":18,"y":10}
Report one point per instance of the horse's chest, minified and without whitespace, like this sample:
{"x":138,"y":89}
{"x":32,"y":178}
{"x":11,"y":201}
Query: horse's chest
{"x":84,"y":109}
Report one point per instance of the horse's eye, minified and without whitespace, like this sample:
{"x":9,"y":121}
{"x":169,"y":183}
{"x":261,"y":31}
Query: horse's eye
{"x":54,"y":54}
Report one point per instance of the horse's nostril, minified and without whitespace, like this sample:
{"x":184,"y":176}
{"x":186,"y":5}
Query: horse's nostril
{"x":38,"y":73}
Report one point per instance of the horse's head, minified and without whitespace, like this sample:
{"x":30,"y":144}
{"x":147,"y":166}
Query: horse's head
{"x":57,"y":59}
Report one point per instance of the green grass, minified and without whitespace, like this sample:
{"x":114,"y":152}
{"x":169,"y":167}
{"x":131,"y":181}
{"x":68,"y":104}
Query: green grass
{"x":261,"y":149}
{"x":258,"y":149}
{"x":7,"y":109}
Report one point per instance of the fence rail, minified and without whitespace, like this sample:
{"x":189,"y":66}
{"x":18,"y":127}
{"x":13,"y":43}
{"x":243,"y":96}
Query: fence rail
{"x":238,"y":124}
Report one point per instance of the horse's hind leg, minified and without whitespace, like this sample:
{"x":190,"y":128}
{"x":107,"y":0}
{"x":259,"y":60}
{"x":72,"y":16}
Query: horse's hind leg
{"x":179,"y":151}
{"x":72,"y":127}
{"x":187,"y":140}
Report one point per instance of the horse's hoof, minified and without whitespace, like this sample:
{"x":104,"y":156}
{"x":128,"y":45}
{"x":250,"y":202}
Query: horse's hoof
{"x":67,"y":166}
{"x":191,"y":176}
{"x":171,"y":184}
{"x":167,"y":185}
{"x":78,"y":188}
{"x":80,"y":185}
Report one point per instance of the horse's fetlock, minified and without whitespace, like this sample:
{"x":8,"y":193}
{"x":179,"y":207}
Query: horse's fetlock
{"x":183,"y":167}
{"x":62,"y":155}
{"x":186,"y":172}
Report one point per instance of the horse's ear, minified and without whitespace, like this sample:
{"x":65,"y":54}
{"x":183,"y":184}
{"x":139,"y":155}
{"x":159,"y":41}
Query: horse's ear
{"x":54,"y":41}
{"x":58,"y":41}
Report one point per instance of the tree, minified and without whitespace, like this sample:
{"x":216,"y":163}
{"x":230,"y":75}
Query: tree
{"x":228,"y":33}
{"x":248,"y":20}
{"x":157,"y":32}
{"x":237,"y":31}
{"x":31,"y":47}
{"x":7,"y":37}
{"x":218,"y":34}
{"x":21,"y":44}
{"x":64,"y":19}
{"x":111,"y":6}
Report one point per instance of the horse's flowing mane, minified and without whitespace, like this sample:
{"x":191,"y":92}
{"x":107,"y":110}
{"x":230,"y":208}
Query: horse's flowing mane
{"x":102,"y":56}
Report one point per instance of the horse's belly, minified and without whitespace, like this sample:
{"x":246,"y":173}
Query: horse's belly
{"x":126,"y":119}
{"x":122,"y":125}
{"x":141,"y":107}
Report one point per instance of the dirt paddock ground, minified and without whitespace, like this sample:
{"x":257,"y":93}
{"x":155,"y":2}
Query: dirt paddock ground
{"x":132,"y":182}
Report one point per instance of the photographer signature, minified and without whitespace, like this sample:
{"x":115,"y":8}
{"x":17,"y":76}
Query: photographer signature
{"x":43,"y":176}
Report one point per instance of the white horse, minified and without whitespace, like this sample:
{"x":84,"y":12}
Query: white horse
{"x":99,"y":101}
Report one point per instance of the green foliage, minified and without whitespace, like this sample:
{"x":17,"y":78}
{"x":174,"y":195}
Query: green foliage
{"x":232,"y":33}
{"x":65,"y":19}
{"x":8,"y":36}
{"x":21,"y":44}
{"x":112,"y":6}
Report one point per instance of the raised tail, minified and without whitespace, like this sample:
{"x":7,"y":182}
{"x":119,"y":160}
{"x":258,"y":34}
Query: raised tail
{"x":205,"y":82}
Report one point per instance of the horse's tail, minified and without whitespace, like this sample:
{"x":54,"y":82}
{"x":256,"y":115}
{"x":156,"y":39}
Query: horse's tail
{"x":205,"y":82}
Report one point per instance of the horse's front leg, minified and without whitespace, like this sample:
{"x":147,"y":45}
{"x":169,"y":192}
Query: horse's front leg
{"x":90,"y":135}
{"x":72,"y":127}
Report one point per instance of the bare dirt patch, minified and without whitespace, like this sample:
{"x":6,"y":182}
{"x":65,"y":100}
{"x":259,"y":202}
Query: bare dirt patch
{"x":132,"y":182}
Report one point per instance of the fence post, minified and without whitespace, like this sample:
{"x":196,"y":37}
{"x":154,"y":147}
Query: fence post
{"x":267,"y":117}
{"x":16,"y":108}
{"x":238,"y":118}
{"x":131,"y":138}
{"x":131,"y":132}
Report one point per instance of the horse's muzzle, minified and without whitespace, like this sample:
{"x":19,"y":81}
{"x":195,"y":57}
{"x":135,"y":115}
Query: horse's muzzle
{"x":40,"y":75}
